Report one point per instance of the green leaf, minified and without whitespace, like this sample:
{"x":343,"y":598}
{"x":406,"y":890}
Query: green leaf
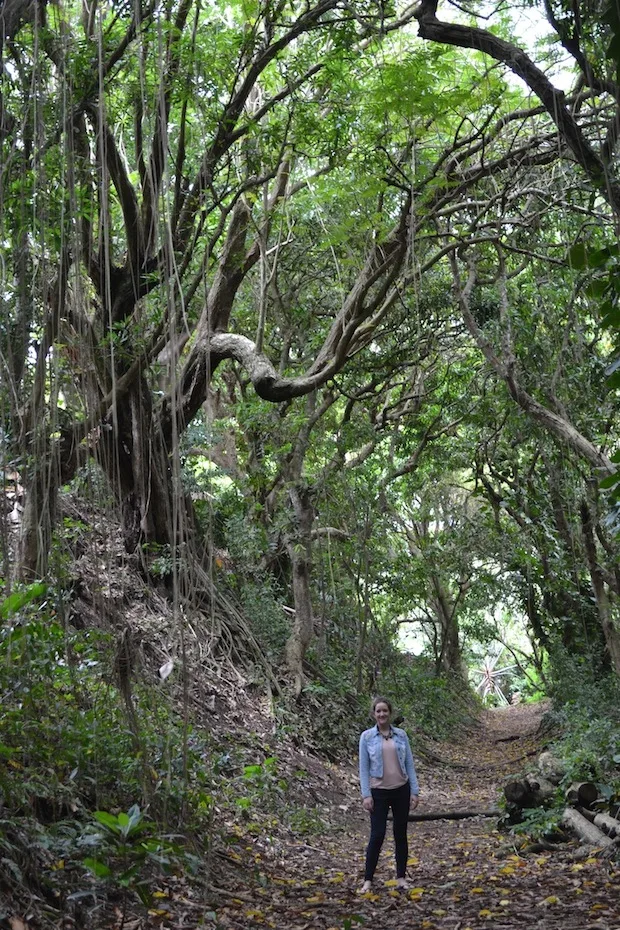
{"x":577,"y":257}
{"x":107,"y":819}
{"x":98,"y":868}
{"x":19,"y":599}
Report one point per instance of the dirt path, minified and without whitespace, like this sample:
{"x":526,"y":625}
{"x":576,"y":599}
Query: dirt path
{"x":463,"y":874}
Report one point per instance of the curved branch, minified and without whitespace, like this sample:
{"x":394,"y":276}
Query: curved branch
{"x":521,"y":64}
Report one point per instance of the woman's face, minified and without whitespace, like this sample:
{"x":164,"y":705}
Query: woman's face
{"x":382,"y":713}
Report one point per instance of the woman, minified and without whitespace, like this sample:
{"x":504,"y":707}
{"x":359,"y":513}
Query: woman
{"x":387,"y":779}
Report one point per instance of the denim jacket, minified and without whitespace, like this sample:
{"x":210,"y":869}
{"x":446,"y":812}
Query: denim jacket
{"x":371,"y":758}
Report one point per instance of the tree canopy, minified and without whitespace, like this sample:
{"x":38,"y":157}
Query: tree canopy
{"x":327,"y":288}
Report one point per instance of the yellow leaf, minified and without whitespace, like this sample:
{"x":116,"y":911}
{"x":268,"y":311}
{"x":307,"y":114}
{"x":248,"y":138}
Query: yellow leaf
{"x":599,"y":907}
{"x":393,"y":893}
{"x":316,"y":899}
{"x":416,"y":891}
{"x":337,"y":879}
{"x":547,"y":902}
{"x":476,"y":891}
{"x":58,"y":865}
{"x":543,"y":860}
{"x":309,"y":881}
{"x":413,"y":861}
{"x":504,"y":902}
{"x":485,"y":912}
{"x":160,"y":894}
{"x":159,"y":912}
{"x":507,"y":870}
{"x":439,"y":912}
{"x":577,"y":867}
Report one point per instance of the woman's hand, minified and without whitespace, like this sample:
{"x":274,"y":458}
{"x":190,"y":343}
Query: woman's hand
{"x":413,"y":802}
{"x":368,"y":804}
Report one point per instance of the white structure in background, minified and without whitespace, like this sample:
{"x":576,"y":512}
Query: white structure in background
{"x":490,"y":683}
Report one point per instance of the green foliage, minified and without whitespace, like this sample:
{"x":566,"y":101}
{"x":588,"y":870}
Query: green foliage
{"x":588,"y":702}
{"x":539,"y":822}
{"x":127,"y":846}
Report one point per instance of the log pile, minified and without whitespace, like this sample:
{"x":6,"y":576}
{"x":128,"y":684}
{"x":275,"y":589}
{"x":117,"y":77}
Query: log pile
{"x":584,"y":815}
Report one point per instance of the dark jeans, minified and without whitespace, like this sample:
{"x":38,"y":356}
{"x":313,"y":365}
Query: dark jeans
{"x":398,"y":800}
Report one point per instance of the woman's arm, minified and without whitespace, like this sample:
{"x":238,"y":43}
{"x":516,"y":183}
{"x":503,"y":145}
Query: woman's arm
{"x":411,"y":773}
{"x":364,"y":768}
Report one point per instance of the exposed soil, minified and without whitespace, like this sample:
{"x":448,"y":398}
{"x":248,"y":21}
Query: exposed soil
{"x":462,"y":873}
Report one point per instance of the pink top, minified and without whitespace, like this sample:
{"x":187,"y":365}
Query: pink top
{"x":392,"y":773}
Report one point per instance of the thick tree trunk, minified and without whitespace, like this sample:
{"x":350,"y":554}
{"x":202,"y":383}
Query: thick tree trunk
{"x":136,"y":462}
{"x":56,"y":462}
{"x":38,"y":521}
{"x":300,"y":552}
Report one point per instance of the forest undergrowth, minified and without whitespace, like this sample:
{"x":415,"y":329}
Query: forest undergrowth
{"x":149,"y":781}
{"x":242,"y":822}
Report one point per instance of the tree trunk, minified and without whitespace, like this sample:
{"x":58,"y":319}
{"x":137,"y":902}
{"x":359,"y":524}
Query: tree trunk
{"x":602,"y":595}
{"x":38,"y":521}
{"x":137,"y":464}
{"x":450,"y":659}
{"x":300,"y":552}
{"x":55,"y":465}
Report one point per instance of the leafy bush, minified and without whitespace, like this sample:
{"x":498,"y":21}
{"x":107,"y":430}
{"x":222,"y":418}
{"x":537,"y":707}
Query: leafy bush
{"x":587,"y":708}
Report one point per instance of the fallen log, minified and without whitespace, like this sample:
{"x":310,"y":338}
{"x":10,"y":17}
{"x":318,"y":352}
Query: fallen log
{"x":451,"y":815}
{"x":531,"y":791}
{"x":582,"y":793}
{"x":551,"y":768}
{"x":517,"y":792}
{"x":604,"y":822}
{"x":586,"y":831}
{"x":544,"y":788}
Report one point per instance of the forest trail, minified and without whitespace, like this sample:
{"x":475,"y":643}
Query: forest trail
{"x":462,"y":873}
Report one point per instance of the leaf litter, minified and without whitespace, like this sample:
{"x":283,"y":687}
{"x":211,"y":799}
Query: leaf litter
{"x":462,"y":874}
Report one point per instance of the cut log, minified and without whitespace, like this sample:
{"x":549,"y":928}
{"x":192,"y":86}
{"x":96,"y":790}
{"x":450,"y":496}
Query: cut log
{"x":586,"y":831}
{"x":517,"y":792}
{"x":582,"y":793}
{"x":531,"y":791}
{"x":541,"y":786}
{"x":551,"y":768}
{"x":607,"y":824}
